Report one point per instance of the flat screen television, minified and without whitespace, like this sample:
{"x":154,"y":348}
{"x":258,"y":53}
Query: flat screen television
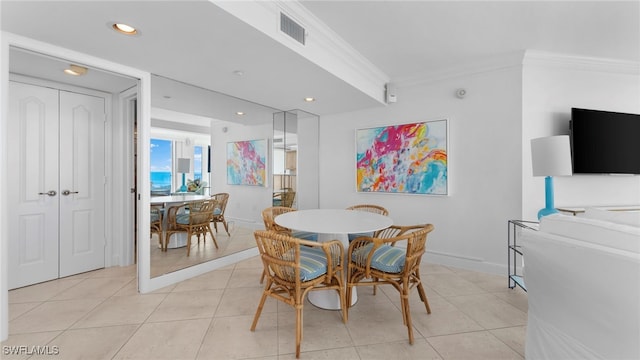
{"x":605,"y":142}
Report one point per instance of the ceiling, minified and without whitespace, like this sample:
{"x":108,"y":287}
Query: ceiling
{"x":408,"y":38}
{"x":196,"y":42}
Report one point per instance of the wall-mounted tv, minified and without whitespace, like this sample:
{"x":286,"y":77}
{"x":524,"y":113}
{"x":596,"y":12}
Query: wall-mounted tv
{"x":605,"y":142}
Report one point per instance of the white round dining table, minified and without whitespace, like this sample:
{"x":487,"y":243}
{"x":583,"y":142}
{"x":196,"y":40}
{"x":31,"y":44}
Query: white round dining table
{"x":178,"y":239}
{"x":332,"y":224}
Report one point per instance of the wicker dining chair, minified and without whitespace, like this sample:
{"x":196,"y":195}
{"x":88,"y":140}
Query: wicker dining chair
{"x":373,"y":261}
{"x":287,"y":198}
{"x":194,"y":218}
{"x":294,"y":267}
{"x":268,"y":216}
{"x":376,"y":209}
{"x":218,"y":212}
{"x":155,"y":219}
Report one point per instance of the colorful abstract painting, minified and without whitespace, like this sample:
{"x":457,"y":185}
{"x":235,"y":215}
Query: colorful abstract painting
{"x":407,"y":158}
{"x":246,"y":162}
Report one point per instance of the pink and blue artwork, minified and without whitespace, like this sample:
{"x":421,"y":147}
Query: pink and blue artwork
{"x":407,"y":158}
{"x":246,"y":162}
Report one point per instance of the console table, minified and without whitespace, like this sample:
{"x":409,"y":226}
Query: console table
{"x":514,"y":251}
{"x":575,"y":210}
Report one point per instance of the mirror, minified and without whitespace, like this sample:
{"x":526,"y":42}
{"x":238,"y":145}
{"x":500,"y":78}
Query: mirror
{"x":295,"y":167}
{"x":191,"y":120}
{"x":285,"y":159}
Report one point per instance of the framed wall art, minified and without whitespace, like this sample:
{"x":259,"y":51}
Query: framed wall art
{"x":247,"y":162}
{"x":406,"y":158}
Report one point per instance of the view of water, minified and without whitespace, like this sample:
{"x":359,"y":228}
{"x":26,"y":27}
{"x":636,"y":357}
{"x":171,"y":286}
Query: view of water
{"x":161,"y":182}
{"x":160,"y":179}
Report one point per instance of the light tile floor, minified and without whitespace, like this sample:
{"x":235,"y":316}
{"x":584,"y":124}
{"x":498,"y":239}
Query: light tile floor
{"x":100,"y":315}
{"x":163,"y":262}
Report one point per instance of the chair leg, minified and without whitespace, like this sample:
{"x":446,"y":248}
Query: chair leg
{"x":264,"y":273}
{"x":343,"y":303}
{"x":347,"y":300}
{"x":298,"y":329}
{"x":347,"y":294}
{"x":212,"y":237}
{"x":407,"y":312}
{"x":188,"y":242}
{"x":423,"y":297}
{"x":226,"y":227}
{"x":260,"y":306}
{"x":167,"y":237}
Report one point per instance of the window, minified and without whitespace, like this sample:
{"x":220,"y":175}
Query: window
{"x":197,"y":162}
{"x":160,"y":168}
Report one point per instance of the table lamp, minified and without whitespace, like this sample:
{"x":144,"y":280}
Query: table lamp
{"x":550,"y":156}
{"x":183,"y":167}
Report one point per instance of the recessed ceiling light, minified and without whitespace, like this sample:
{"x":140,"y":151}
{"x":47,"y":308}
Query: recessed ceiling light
{"x":238,"y":72}
{"x":239,"y":113}
{"x":75,"y":70}
{"x":309,"y":99}
{"x":124,"y":29}
{"x":167,"y":96}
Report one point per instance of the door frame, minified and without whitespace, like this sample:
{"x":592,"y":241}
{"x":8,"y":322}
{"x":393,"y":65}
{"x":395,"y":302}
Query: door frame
{"x":7,"y":40}
{"x":127,"y":101}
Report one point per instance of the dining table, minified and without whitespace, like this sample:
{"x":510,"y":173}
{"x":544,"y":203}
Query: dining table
{"x":178,"y":239}
{"x":332,"y":224}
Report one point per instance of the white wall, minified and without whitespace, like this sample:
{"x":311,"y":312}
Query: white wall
{"x":552,"y":85}
{"x":484,"y":165}
{"x":307,"y":167}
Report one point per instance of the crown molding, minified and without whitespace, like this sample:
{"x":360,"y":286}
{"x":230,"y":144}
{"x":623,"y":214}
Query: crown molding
{"x":584,"y":63}
{"x":460,"y":69}
{"x":520,"y":59}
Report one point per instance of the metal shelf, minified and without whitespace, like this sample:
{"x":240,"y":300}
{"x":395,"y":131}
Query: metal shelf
{"x":514,"y":251}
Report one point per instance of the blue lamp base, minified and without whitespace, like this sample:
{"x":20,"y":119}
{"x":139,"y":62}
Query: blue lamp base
{"x":183,"y":188}
{"x":545,"y":212}
{"x":549,"y":207}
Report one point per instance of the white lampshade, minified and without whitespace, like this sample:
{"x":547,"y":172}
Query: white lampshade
{"x":551,"y":156}
{"x":183,"y":165}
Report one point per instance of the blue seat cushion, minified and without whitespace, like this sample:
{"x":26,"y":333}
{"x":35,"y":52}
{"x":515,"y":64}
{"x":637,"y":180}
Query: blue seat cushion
{"x":386,"y":258}
{"x":357,"y":235}
{"x":217,"y":211}
{"x":182,"y":219}
{"x":313,"y":262}
{"x":304,"y":235}
{"x":154,"y":217}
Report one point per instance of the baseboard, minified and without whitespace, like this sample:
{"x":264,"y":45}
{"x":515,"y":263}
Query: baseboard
{"x":465,"y":262}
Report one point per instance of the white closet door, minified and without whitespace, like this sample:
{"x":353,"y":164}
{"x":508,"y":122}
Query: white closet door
{"x":32,"y":182}
{"x":82,"y":183}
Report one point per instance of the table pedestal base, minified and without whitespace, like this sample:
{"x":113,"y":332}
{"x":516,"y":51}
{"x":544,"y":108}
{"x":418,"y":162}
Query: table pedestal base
{"x":177,"y":240}
{"x":329,"y":300}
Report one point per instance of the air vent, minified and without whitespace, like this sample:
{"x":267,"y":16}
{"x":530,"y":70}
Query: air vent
{"x":292,"y":28}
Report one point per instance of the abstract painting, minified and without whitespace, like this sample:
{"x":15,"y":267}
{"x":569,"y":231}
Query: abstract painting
{"x":407,"y":158}
{"x":246,"y":162}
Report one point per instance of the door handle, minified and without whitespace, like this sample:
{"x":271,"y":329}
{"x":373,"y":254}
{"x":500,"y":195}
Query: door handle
{"x":50,"y":193}
{"x":68,"y":192}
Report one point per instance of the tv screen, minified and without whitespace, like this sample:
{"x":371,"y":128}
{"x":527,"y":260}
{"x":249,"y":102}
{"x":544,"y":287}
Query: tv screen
{"x":605,"y":142}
